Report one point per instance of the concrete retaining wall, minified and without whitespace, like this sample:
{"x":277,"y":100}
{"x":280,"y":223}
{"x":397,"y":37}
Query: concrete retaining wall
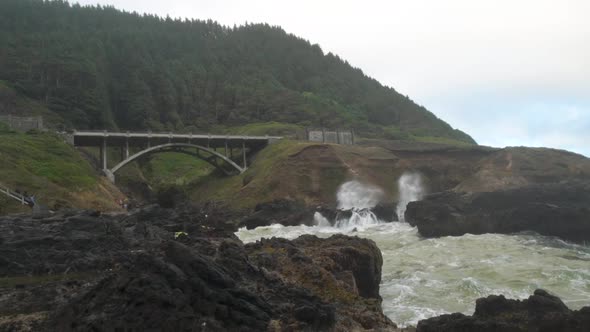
{"x":22,"y":123}
{"x":330,"y":136}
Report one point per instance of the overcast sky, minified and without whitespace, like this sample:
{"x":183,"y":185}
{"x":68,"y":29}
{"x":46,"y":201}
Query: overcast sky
{"x":507,"y":72}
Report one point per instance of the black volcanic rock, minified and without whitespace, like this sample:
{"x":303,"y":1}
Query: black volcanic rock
{"x":180,"y":270}
{"x":541,"y":312}
{"x":385,"y":211}
{"x":281,"y":211}
{"x":340,"y":270}
{"x":558,"y":209}
{"x":293,"y":213}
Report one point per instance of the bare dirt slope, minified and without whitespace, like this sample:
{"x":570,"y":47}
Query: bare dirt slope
{"x":312,"y":172}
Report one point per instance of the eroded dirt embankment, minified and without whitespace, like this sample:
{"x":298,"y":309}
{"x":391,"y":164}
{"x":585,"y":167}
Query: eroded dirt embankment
{"x":311,"y":173}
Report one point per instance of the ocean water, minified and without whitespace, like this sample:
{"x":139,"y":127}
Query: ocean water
{"x":423,"y":278}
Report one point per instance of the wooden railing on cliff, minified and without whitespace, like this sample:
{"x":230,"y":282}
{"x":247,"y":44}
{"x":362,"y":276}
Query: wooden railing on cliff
{"x":14,"y":195}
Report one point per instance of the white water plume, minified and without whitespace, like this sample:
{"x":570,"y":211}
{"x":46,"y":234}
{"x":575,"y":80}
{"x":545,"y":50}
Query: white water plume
{"x":358,"y":218}
{"x":320,"y":220}
{"x":357,"y":199}
{"x":410,"y":190}
{"x":356,"y":195}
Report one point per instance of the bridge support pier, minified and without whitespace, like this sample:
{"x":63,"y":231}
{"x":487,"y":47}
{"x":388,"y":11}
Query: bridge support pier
{"x":109,"y":175}
{"x":126,"y":148}
{"x":244,"y":154}
{"x":103,"y":154}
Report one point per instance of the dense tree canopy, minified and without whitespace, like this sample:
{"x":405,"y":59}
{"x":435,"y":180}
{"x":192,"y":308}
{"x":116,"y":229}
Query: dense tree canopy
{"x":98,"y":67}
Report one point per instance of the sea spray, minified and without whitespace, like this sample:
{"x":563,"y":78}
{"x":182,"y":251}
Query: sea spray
{"x":356,"y":195}
{"x":410,"y":189}
{"x":320,"y":220}
{"x":357,"y":199}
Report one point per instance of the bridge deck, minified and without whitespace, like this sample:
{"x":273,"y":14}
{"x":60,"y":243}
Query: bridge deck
{"x":95,"y":138}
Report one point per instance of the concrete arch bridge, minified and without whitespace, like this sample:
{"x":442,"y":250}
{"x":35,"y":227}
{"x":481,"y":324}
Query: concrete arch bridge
{"x":229,"y":153}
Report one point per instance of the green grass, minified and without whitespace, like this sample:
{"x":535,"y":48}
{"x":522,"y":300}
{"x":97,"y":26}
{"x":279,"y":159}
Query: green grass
{"x":25,"y":157}
{"x":175,"y":169}
{"x":260,"y":178}
{"x":267,"y":128}
{"x":441,"y":140}
{"x":44,"y":165}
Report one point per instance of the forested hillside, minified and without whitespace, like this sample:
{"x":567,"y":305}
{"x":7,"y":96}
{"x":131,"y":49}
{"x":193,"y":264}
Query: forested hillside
{"x":101,"y":68}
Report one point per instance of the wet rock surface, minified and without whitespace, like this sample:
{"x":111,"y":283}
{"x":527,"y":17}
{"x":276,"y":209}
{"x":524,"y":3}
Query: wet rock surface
{"x":293,"y":213}
{"x":281,"y":211}
{"x":540,"y":312}
{"x":557,"y":209}
{"x":180,"y":270}
{"x":342,"y":270}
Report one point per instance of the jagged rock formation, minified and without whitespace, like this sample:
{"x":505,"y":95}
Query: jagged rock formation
{"x":293,"y":213}
{"x":178,"y":270}
{"x":540,"y":312}
{"x":558,"y":209}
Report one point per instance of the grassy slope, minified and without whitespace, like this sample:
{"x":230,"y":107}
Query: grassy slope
{"x":304,"y":171}
{"x":174,"y":169}
{"x":251,"y":187}
{"x":43,"y":165}
{"x":312,"y":172}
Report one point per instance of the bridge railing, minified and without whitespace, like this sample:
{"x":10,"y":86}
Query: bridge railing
{"x":105,"y":133}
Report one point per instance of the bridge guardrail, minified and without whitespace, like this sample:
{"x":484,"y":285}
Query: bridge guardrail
{"x":167,"y":135}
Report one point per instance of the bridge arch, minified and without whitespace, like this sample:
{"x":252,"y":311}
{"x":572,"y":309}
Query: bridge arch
{"x":212,"y":159}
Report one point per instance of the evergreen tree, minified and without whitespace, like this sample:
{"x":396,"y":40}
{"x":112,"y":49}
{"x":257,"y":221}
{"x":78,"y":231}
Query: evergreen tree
{"x":101,"y":68}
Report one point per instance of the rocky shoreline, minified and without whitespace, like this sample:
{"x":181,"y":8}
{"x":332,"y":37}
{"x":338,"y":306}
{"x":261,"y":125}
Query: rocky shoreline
{"x":180,"y":270}
{"x":540,"y":312}
{"x":183,"y":269}
{"x":552,"y":209}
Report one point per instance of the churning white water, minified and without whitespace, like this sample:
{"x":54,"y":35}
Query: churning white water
{"x":423,"y":278}
{"x":356,"y":199}
{"x":320,"y":220}
{"x":410,"y":190}
{"x":358,"y":218}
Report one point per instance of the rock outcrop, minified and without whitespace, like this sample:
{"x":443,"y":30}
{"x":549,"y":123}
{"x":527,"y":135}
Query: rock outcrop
{"x":180,"y":270}
{"x":541,"y":312}
{"x":281,"y":211}
{"x":341,"y":270}
{"x":293,"y":213}
{"x":557,"y":209}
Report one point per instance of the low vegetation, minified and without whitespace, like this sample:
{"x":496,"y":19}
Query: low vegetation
{"x":42,"y":164}
{"x":257,"y":184}
{"x":267,"y":128}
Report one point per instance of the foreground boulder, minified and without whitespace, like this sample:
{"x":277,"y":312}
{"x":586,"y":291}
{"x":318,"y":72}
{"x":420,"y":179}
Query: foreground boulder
{"x":180,"y":270}
{"x":540,"y":312}
{"x":559,"y":209}
{"x":342,"y":270}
